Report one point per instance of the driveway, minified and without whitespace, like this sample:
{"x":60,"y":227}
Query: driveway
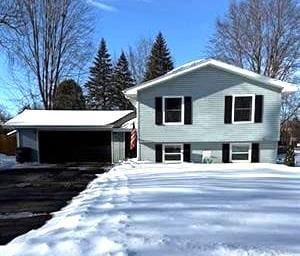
{"x":186,"y":209}
{"x":28,"y":196}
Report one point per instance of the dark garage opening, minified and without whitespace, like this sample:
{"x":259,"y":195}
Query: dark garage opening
{"x":74,"y":146}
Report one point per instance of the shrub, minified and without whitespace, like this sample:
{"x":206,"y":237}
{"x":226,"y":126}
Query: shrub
{"x":290,"y":157}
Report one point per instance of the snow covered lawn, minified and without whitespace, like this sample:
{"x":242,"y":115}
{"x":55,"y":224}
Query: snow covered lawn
{"x":187,"y":209}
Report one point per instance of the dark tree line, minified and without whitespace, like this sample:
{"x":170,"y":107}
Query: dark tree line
{"x":106,"y":83}
{"x":69,"y":96}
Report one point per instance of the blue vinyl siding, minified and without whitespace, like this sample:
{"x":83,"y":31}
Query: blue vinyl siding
{"x":28,"y":138}
{"x":208,"y":88}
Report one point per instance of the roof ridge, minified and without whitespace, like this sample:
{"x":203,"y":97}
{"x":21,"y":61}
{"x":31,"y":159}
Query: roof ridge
{"x":193,"y":65}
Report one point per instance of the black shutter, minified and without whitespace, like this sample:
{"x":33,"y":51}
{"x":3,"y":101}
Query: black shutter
{"x":188,"y":110}
{"x":187,"y":153}
{"x":225,"y":153}
{"x":259,"y":106}
{"x":158,"y":153}
{"x":255,"y":153}
{"x":158,"y":111}
{"x":228,"y":110}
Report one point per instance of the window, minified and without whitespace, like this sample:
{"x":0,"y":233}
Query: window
{"x":173,"y":110}
{"x":172,"y":153}
{"x":240,"y":152}
{"x":243,"y":108}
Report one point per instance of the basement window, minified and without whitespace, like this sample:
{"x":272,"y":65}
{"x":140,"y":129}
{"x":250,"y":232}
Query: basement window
{"x":172,"y":153}
{"x":240,"y":152}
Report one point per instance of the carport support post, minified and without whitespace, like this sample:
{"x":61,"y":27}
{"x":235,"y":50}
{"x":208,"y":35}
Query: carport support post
{"x":37,"y":134}
{"x":118,"y":145}
{"x":112,"y":146}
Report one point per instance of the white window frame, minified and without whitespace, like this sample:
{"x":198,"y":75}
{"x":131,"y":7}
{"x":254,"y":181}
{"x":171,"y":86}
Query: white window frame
{"x":249,"y":152}
{"x":252,"y":109}
{"x":182,"y":110}
{"x":172,"y":161}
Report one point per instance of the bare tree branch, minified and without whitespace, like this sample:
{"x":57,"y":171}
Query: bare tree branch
{"x":262,"y":36}
{"x":137,"y":56}
{"x":53,"y":41}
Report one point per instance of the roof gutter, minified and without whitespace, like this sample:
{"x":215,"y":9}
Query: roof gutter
{"x":54,"y":127}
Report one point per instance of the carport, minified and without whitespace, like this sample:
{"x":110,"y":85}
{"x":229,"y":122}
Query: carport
{"x":56,"y":136}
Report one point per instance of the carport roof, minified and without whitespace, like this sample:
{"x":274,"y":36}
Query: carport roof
{"x":70,"y":118}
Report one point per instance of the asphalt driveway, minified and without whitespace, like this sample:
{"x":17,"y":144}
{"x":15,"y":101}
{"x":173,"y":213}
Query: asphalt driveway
{"x":28,"y":196}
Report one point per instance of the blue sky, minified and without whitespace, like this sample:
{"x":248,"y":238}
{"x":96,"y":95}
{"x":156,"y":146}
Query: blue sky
{"x":186,"y":24}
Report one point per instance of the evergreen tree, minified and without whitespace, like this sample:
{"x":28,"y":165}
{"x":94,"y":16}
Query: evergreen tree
{"x":290,"y":156}
{"x":69,"y":96}
{"x":99,"y":87}
{"x":160,"y":61}
{"x":122,"y":79}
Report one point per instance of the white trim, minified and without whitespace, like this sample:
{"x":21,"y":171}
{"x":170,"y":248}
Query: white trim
{"x":249,"y":153}
{"x":252,"y":108}
{"x":137,"y":124}
{"x":11,"y":133}
{"x":189,"y":67}
{"x":182,"y":110}
{"x":164,"y":153}
{"x":38,"y":145}
{"x":18,"y":138}
{"x":112,"y":146}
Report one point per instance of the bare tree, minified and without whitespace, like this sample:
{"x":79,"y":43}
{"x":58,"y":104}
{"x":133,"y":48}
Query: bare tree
{"x":290,"y":106}
{"x":260,"y":35}
{"x":137,"y":56}
{"x":52,"y":41}
{"x":290,"y":113}
{"x":9,"y":21}
{"x":4,"y":115}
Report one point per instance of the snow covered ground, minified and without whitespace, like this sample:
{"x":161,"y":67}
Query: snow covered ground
{"x":186,"y":209}
{"x":7,"y":161}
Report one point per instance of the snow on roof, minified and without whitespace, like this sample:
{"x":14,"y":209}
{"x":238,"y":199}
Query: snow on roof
{"x":186,"y":66}
{"x":66,"y":118}
{"x":194,"y":65}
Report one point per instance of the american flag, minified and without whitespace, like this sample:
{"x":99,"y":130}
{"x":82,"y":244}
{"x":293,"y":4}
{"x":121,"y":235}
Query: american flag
{"x":133,"y":138}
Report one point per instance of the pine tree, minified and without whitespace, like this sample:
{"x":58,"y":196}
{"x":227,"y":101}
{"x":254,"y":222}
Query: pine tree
{"x":160,"y":61}
{"x":69,"y":96}
{"x":122,"y":79}
{"x":99,"y":87}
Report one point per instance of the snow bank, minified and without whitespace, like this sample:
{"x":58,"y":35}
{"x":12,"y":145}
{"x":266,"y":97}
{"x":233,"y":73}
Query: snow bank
{"x":7,"y":162}
{"x":186,"y":209}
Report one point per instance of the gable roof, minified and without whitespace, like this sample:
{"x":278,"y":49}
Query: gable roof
{"x":195,"y":65}
{"x":69,"y":118}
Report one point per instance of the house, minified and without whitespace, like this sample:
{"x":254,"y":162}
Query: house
{"x":73,"y":136}
{"x":204,"y":111}
{"x":208,"y":111}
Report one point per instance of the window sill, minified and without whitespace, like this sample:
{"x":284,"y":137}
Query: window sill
{"x":243,"y":122}
{"x":173,"y":162}
{"x":171,"y":124}
{"x":240,"y":161}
